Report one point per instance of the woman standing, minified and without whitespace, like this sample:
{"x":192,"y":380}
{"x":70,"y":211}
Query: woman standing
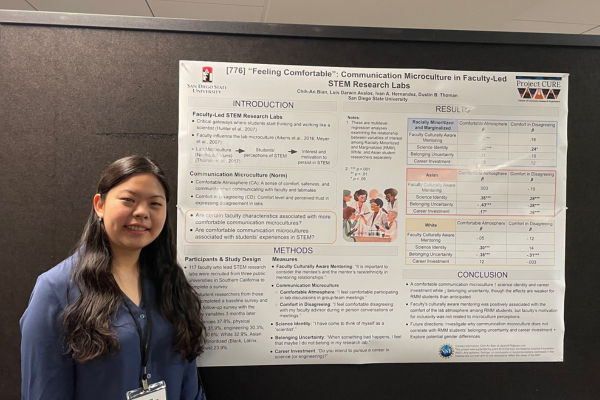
{"x":119,"y":314}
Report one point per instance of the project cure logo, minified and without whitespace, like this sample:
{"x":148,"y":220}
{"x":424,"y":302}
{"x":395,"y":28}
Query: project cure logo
{"x":539,"y":87}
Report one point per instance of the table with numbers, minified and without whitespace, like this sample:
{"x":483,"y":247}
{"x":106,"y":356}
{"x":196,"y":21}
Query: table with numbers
{"x":512,"y":242}
{"x":481,"y":143}
{"x":479,"y":192}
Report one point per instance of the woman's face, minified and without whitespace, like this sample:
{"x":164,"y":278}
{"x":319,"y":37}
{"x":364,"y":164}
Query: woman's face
{"x":374,"y":206}
{"x":362,"y":198}
{"x":134,"y":212}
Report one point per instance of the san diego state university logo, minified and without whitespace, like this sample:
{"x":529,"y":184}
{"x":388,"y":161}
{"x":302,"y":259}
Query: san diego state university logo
{"x":446,"y":351}
{"x":539,"y":87}
{"x":207,"y":74}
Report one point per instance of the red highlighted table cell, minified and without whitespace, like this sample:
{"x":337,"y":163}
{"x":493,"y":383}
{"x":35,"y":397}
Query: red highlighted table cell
{"x":478,"y":192}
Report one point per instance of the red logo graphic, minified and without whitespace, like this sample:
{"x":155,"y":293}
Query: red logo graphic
{"x":539,"y":94}
{"x":207,"y":74}
{"x":539,"y":87}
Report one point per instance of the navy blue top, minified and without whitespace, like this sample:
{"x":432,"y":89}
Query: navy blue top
{"x":48,"y":372}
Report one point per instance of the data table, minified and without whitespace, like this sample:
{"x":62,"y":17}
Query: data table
{"x":481,"y":143}
{"x":433,"y":191}
{"x":479,"y":242}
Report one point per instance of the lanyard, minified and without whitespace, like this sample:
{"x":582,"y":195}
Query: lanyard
{"x":144,"y":342}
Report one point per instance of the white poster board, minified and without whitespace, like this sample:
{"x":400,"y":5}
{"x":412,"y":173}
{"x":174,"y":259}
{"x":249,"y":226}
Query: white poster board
{"x":349,"y":215}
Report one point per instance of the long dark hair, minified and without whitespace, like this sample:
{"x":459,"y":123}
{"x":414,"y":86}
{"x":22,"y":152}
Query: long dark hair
{"x":87,"y":320}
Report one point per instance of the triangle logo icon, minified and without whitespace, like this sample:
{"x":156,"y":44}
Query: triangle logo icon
{"x":539,"y":95}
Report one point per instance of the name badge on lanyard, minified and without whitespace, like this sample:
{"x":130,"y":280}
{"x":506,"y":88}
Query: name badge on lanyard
{"x":155,"y":391}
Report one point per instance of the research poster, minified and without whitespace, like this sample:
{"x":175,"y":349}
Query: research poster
{"x":351,"y":215}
